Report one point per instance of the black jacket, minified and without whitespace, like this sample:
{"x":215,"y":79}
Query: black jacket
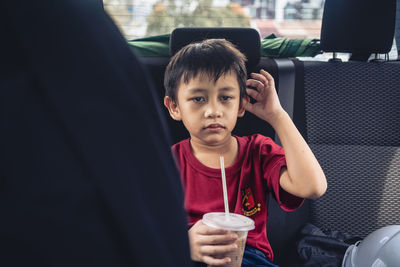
{"x":86,"y":175}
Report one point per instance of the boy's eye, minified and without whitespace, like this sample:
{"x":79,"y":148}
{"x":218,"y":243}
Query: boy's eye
{"x":198,"y":99}
{"x":226,"y":98}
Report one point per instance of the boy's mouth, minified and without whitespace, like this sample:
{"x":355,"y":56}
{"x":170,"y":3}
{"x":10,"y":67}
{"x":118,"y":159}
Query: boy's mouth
{"x":214,"y":126}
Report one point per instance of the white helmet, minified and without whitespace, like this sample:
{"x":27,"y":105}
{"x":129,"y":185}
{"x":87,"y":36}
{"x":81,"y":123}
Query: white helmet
{"x":381,"y":248}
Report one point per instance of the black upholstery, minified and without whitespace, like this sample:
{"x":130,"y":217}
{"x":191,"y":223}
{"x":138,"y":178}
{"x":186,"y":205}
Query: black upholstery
{"x":358,"y":26}
{"x":361,"y":99}
{"x":352,"y":112}
{"x":349,"y":114}
{"x":283,"y":227}
{"x":352,"y":119}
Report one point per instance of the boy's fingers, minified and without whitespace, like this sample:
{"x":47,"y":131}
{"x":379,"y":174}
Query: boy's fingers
{"x":260,"y":77}
{"x":207,"y":230}
{"x":268,"y":76}
{"x":217,"y":239}
{"x":259,"y":85}
{"x":218,"y":250}
{"x":253,"y":93}
{"x":214,"y":261}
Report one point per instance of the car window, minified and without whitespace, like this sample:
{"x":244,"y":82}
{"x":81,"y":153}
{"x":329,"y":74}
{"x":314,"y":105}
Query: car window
{"x":293,"y":19}
{"x":284,"y":18}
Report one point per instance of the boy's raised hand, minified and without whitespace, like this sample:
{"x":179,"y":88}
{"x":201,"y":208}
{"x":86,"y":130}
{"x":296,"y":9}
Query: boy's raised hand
{"x":267,"y":105}
{"x":209,"y":245}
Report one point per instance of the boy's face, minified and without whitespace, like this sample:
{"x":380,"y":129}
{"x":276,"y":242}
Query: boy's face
{"x":208,"y":109}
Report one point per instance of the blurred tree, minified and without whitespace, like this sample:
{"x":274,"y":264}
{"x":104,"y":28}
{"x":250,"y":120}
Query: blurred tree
{"x":167,"y":15}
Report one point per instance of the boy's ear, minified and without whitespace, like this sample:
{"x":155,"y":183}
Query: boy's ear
{"x":241,"y":108}
{"x":173,"y":108}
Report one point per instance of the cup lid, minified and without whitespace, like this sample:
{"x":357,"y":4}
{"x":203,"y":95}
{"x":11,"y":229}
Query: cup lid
{"x":236,"y":222}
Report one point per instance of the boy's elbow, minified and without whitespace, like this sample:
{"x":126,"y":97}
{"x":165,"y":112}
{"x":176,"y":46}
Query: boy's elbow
{"x":319,"y":188}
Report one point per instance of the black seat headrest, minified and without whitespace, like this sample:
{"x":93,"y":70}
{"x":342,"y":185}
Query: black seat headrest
{"x":358,"y":26}
{"x":247,"y":40}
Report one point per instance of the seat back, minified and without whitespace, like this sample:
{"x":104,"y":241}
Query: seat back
{"x":358,"y":26}
{"x":349,"y":114}
{"x":352,"y":120}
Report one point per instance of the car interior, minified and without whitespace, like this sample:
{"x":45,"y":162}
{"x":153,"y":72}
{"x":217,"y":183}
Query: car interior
{"x":348,"y":112}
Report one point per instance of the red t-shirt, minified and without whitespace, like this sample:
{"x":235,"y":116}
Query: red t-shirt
{"x":253,"y":175}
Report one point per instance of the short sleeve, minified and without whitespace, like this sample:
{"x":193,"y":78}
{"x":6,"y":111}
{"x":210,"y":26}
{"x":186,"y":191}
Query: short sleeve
{"x":273,"y":160}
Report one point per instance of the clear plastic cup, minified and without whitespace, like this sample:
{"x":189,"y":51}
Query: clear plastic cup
{"x":236,"y":223}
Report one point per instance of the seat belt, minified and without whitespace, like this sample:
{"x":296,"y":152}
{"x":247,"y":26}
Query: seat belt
{"x":286,"y":72}
{"x":286,"y":89}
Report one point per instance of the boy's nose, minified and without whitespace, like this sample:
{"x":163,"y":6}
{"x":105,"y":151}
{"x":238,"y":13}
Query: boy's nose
{"x":213,"y":111}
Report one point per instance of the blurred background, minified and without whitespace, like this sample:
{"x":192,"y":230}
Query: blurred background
{"x":288,"y":18}
{"x":294,"y":19}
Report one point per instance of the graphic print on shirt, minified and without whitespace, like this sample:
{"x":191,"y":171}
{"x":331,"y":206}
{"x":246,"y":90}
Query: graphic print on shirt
{"x":249,"y":207}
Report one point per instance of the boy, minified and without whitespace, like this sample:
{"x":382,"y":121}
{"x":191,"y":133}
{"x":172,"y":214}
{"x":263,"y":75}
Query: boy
{"x":206,"y":89}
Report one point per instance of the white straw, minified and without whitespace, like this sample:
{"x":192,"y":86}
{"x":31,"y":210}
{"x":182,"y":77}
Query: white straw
{"x":221,"y":160}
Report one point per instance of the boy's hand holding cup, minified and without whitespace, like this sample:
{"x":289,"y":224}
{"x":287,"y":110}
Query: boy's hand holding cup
{"x":211,"y":245}
{"x":234,"y":224}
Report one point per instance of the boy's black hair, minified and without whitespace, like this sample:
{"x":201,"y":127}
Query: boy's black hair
{"x":214,"y":57}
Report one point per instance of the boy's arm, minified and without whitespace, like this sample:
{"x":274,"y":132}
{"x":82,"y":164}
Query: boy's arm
{"x":304,"y":176}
